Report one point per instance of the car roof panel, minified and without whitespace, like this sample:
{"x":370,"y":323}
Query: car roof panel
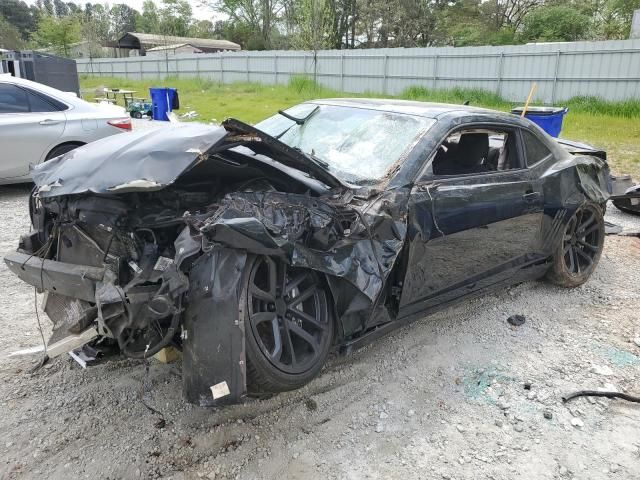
{"x":409,"y":107}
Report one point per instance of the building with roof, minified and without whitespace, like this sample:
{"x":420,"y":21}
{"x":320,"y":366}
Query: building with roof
{"x":174,"y":49}
{"x":144,"y":42}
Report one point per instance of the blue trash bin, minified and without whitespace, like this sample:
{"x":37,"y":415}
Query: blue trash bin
{"x":161,"y":100}
{"x":547,"y":118}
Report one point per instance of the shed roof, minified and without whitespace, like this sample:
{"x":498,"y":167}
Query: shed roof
{"x":171,"y":47}
{"x":154,"y":40}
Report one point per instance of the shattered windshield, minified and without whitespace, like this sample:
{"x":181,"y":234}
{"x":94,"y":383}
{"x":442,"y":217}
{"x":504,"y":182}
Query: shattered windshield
{"x":358,"y":145}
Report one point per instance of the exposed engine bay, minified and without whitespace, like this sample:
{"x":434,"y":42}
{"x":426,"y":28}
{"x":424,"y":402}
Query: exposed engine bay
{"x":146,"y":243}
{"x":130,"y":267}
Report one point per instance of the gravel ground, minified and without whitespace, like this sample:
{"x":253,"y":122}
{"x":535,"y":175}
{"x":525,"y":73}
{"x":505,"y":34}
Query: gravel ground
{"x":442,"y":398}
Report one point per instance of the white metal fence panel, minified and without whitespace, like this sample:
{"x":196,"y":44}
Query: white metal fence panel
{"x":610,"y":70}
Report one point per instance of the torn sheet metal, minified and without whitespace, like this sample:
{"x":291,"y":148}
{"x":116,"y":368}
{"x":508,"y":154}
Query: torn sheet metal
{"x":342,"y":242}
{"x":629,"y":201}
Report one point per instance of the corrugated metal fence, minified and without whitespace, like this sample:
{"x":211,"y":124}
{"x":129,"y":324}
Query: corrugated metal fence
{"x":610,"y":70}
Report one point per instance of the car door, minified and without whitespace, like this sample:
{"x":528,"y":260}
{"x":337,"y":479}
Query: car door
{"x":470,"y":228}
{"x":30,"y":126}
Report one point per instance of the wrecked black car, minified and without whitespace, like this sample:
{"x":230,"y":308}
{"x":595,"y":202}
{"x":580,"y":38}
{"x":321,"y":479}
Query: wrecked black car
{"x":258,"y":250}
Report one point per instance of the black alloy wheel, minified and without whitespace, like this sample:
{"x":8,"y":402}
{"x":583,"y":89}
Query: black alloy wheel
{"x":580,"y":247}
{"x":581,"y":242}
{"x":288,"y":315}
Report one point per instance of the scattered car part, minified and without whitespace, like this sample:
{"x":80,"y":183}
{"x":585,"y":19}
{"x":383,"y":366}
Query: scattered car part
{"x":612,"y":228}
{"x":598,"y":393}
{"x":629,"y":201}
{"x":620,"y":184}
{"x":516,"y":321}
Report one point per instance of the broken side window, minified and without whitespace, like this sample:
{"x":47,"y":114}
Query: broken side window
{"x":477,"y":150}
{"x":534,"y":149}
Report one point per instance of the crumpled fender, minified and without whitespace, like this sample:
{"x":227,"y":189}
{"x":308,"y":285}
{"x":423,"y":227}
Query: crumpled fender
{"x":213,"y":351}
{"x":359,"y":247}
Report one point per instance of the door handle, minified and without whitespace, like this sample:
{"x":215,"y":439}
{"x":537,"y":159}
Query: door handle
{"x":531,"y":197}
{"x":49,"y":121}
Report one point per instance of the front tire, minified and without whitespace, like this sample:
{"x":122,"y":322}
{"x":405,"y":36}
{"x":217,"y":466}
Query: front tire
{"x":579,"y":248}
{"x":288,"y":326}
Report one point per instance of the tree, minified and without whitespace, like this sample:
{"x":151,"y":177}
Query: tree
{"x":60,"y":9}
{"x":256,"y":18}
{"x":615,"y":17}
{"x":96,"y":23}
{"x":58,"y":33}
{"x":96,"y":26}
{"x":555,"y":24}
{"x":202,"y":29}
{"x":149,"y":21}
{"x":175,"y":17}
{"x":315,"y":22}
{"x":123,"y":19}
{"x":10,"y":37}
{"x":508,"y":13}
{"x":19,"y":15}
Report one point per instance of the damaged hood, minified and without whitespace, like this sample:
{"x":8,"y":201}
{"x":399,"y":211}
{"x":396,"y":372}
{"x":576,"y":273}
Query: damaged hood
{"x":153,"y":159}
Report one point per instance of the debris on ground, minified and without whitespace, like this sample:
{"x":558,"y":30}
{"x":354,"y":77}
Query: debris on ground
{"x":576,"y":422}
{"x":612,"y":228}
{"x":600,"y":393}
{"x":516,"y":320}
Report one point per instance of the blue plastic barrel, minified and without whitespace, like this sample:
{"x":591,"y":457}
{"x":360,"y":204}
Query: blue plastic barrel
{"x":547,"y":118}
{"x":161,"y":100}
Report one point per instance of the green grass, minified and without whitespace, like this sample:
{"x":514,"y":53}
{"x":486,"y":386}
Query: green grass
{"x":614,"y":126}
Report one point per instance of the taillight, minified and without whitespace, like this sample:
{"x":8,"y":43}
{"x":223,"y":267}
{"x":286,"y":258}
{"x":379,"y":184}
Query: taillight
{"x":123,"y":123}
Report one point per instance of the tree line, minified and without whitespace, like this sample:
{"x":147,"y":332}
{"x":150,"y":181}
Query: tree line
{"x":320,"y":24}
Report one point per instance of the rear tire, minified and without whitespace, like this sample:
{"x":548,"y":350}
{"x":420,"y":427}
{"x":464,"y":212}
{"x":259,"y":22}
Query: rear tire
{"x":61,"y":150}
{"x":288,"y":326}
{"x":579,"y":248}
{"x":137,"y":115}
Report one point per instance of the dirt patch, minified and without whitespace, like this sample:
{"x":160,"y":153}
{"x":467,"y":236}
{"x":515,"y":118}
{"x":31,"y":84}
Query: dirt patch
{"x":459,"y":394}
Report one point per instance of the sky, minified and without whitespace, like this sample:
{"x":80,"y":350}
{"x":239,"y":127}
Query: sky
{"x":199,"y":12}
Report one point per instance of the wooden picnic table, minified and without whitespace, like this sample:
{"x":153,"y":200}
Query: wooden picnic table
{"x":127,"y":95}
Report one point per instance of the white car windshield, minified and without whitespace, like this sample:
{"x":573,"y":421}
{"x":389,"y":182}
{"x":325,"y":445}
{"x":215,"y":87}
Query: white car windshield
{"x":357,"y":145}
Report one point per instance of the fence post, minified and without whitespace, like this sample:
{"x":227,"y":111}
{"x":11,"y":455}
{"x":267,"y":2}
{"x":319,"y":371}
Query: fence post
{"x":275,"y":66}
{"x":111,"y":64}
{"x":500,"y":73}
{"x":342,"y":71}
{"x":555,"y":78}
{"x":222,"y":68}
{"x":248,"y":76}
{"x":384,"y":80}
{"x":126,"y":70}
{"x":198,"y":67}
{"x":435,"y":71}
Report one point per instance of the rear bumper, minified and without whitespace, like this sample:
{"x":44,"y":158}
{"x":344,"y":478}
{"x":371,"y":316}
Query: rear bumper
{"x":75,"y":281}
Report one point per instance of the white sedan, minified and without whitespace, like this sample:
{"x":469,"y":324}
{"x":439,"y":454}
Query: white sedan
{"x":38,"y":123}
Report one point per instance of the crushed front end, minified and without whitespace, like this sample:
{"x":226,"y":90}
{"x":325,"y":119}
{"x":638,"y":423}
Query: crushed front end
{"x":143,"y":259}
